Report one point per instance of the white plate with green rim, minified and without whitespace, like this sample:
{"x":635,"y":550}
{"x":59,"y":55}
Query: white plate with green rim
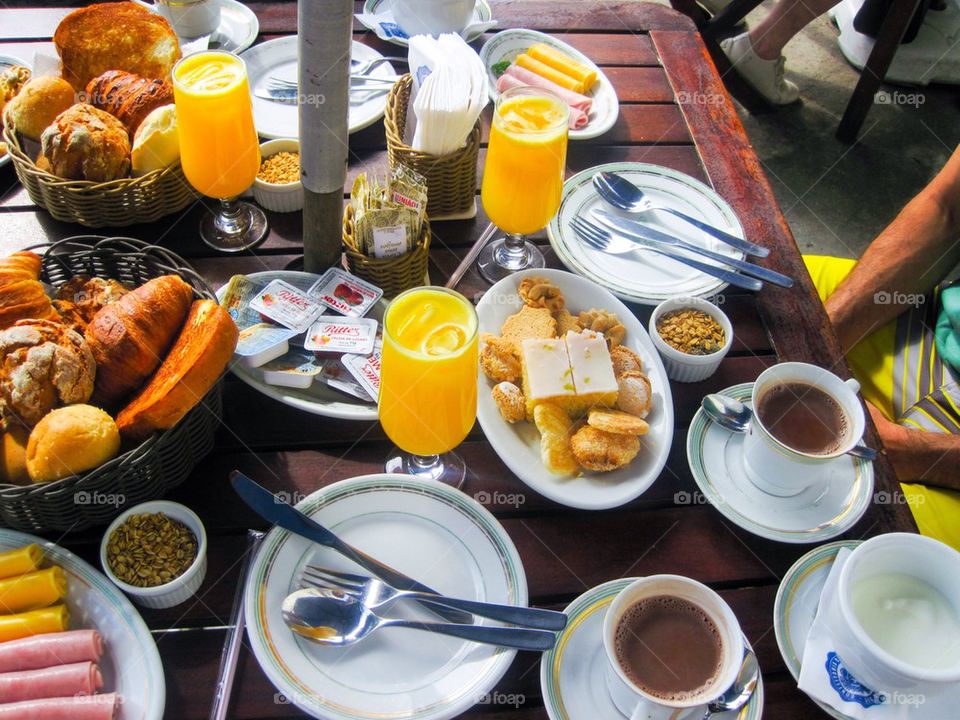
{"x":796,"y":606}
{"x":572,"y":675}
{"x":830,"y":507}
{"x":518,"y":445}
{"x":507,"y":44}
{"x":387,"y":29}
{"x":131,"y":664}
{"x":644,"y":276}
{"x":429,"y":531}
{"x":319,"y":398}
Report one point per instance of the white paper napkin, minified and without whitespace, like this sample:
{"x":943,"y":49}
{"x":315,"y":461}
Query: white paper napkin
{"x":386,"y":28}
{"x":824,"y":677}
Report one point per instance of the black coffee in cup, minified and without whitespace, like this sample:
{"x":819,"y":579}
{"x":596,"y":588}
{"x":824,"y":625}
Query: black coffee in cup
{"x":669,"y":647}
{"x":804,"y":418}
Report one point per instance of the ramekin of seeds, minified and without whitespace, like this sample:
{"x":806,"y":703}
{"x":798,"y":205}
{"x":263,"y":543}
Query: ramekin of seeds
{"x":692,"y":336}
{"x":156,"y":553}
{"x":277,"y":186}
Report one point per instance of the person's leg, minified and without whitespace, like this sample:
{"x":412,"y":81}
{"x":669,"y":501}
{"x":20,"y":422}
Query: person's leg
{"x":787,"y":18}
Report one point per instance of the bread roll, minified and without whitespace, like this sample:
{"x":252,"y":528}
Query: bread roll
{"x":12,"y":79}
{"x":70,"y":440}
{"x":80,"y":298}
{"x":195,"y":362}
{"x":84,"y":143}
{"x":37,"y":105}
{"x":156,"y":144}
{"x":128,"y":97}
{"x":130,"y":337}
{"x":115,"y":36}
{"x":21,"y":294}
{"x":13,"y":455}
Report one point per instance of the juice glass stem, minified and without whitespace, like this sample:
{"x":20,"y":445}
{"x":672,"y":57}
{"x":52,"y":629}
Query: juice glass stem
{"x":508,"y":255}
{"x":234,"y":226}
{"x":448,"y":468}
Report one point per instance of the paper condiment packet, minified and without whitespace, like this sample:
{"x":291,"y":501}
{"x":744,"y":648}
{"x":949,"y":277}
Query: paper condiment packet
{"x":342,"y":335}
{"x":283,"y":303}
{"x":345,"y":293}
{"x":336,"y":376}
{"x":294,"y":369}
{"x":261,"y":343}
{"x":236,"y":301}
{"x":365,"y":369}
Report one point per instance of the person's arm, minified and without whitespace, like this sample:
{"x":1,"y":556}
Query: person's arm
{"x":908,"y":258}
{"x":929,"y":457}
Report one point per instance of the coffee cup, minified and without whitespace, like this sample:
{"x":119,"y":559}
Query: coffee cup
{"x":692,"y":637}
{"x":803,"y":417}
{"x":432,"y":17}
{"x":895,"y":623}
{"x":190,"y":19}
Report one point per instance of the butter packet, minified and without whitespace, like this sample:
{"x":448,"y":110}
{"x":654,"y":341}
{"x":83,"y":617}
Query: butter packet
{"x":294,"y":369}
{"x":236,"y":301}
{"x":261,"y":343}
{"x":283,"y":303}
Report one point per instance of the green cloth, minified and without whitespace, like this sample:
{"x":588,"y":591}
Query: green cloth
{"x":948,"y":326}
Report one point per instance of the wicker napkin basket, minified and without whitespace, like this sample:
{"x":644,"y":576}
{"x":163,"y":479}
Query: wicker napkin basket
{"x":392,"y":275}
{"x":115,"y":203}
{"x":451,"y":179}
{"x":148,"y":470}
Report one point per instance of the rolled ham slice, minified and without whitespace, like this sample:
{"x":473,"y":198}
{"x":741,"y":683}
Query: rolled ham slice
{"x":43,"y":651}
{"x":578,"y":118}
{"x":571,"y":98}
{"x":95,"y":707}
{"x":75,"y":679}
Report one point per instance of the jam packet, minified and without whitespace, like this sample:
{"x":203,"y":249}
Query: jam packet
{"x":345,"y":293}
{"x":342,"y":335}
{"x":365,"y":369}
{"x":335,"y":375}
{"x":283,"y":303}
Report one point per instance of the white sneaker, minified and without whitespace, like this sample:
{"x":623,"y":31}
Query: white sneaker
{"x":764,"y":76}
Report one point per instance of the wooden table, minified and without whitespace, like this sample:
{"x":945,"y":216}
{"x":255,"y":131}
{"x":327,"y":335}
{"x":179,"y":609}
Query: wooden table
{"x":653,"y":56}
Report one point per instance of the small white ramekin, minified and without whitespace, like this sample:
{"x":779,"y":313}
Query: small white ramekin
{"x":179,"y":589}
{"x":287,"y":197}
{"x":679,"y":365}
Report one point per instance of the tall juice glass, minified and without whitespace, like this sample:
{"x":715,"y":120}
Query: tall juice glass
{"x":219,"y":149}
{"x":428,"y":381}
{"x":523,"y":176}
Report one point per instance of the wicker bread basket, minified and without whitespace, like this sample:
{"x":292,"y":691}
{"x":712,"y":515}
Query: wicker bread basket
{"x":140,"y":473}
{"x":451,"y":179}
{"x":392,"y":275}
{"x":115,"y":203}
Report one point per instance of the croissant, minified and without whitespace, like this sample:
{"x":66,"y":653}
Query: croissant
{"x":130,"y":336}
{"x":21,"y":294}
{"x":128,"y":97}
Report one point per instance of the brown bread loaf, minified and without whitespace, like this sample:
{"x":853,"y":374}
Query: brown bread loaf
{"x":130,"y":337}
{"x":84,"y":143}
{"x":128,"y":97}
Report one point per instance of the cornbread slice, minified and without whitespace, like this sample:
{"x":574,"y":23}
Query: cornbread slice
{"x":592,"y":369}
{"x":529,"y":323}
{"x":547,"y":377}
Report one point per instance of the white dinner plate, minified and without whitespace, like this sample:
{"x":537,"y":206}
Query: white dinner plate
{"x":644,"y":276}
{"x":5,"y":62}
{"x":278,"y":58}
{"x":425,"y":529}
{"x":319,"y":398}
{"x":573,"y":674}
{"x":518,"y":445}
{"x":389,"y":30}
{"x":832,"y":505}
{"x":506,"y":45}
{"x":131,"y":664}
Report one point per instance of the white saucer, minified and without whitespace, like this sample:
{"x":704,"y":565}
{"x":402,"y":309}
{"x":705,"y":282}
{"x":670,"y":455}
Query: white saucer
{"x":238,"y":28}
{"x":572,"y":674}
{"x":829,"y":508}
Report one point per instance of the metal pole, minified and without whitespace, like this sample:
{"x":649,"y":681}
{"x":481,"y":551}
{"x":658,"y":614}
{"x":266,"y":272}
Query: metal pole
{"x":325,"y":34}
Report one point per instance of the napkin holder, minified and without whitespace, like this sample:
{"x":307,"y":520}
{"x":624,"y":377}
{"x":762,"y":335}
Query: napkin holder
{"x":451,"y":179}
{"x":392,"y":275}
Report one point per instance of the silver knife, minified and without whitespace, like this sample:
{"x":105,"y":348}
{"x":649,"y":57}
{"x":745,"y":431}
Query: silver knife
{"x":638,"y":232}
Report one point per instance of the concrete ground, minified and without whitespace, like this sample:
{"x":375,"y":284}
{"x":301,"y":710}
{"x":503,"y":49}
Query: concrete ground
{"x":837,"y":197}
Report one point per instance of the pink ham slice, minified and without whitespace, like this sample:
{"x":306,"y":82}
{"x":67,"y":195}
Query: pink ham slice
{"x":95,"y":707}
{"x":579,"y":105}
{"x":58,"y":681}
{"x":42,"y":651}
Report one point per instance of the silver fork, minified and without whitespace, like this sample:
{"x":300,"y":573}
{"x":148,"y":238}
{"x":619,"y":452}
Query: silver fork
{"x":375,"y":593}
{"x":359,"y":69}
{"x":599,"y":239}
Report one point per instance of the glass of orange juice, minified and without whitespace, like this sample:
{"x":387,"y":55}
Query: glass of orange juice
{"x":219,"y":149}
{"x":523,"y":177}
{"x":428,"y":381}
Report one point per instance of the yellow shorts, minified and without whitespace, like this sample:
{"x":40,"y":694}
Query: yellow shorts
{"x":935,"y":510}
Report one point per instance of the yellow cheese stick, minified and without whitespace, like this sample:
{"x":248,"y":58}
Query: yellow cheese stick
{"x":32,"y":591}
{"x":545,"y":71}
{"x":20,"y":561}
{"x":35,"y":622}
{"x":564,"y":63}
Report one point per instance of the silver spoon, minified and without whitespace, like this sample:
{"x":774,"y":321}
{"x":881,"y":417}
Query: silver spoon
{"x":734,"y":416}
{"x":738,"y":694}
{"x":332,"y":617}
{"x":624,"y":195}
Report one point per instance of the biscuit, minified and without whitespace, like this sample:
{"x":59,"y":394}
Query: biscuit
{"x":498,"y":361}
{"x":567,"y":323}
{"x":540,"y":292}
{"x":529,"y":323}
{"x":635,"y":395}
{"x":555,"y":427}
{"x":625,"y":361}
{"x":602,"y":451}
{"x":617,"y":422}
{"x":606,"y":323}
{"x":510,"y":402}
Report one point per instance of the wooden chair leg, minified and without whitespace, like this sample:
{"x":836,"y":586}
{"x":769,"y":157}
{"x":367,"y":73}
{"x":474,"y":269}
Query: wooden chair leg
{"x":732,"y":14}
{"x":873,"y":73}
